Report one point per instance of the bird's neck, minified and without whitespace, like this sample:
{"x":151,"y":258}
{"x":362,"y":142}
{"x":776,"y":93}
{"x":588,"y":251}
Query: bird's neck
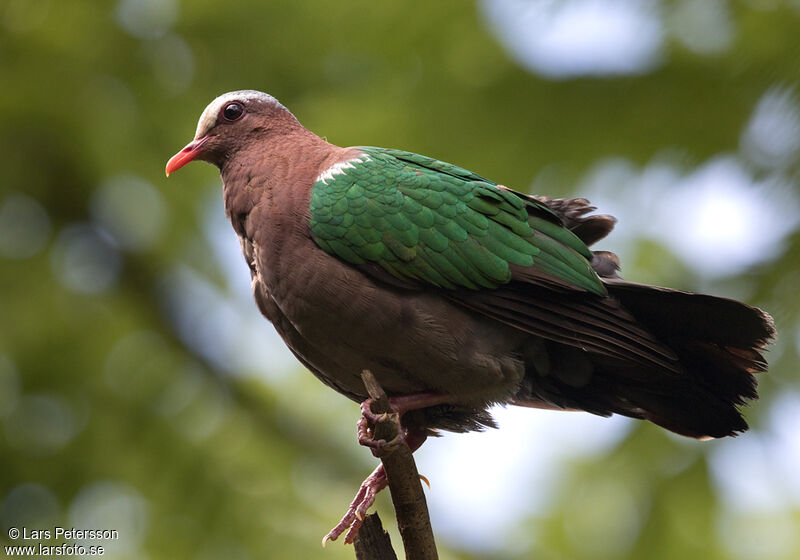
{"x":271,"y":169}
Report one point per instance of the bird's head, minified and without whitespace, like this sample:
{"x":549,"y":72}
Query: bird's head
{"x":231,"y":121}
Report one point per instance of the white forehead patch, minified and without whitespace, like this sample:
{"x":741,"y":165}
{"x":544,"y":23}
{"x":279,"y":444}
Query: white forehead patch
{"x":209,"y":117}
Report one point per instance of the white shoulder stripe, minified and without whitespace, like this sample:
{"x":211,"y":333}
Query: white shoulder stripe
{"x":339,"y":168}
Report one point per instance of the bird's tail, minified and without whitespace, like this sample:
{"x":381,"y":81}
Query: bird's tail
{"x":708,"y":350}
{"x":719,"y":344}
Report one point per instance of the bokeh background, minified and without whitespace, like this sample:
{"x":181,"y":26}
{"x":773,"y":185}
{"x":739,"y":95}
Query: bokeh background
{"x":140,"y":390}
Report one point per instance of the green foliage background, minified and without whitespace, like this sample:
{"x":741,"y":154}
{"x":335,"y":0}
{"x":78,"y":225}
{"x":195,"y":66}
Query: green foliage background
{"x":110,"y":419}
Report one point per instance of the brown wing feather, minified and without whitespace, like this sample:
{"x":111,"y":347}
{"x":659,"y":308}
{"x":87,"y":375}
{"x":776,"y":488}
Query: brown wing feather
{"x":597,"y":325}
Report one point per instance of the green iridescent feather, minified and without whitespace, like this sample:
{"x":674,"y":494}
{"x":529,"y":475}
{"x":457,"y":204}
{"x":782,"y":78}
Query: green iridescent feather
{"x":424,"y":220}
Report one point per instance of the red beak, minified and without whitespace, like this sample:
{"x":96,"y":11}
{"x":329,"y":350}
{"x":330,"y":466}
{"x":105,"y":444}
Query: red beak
{"x":190,"y":152}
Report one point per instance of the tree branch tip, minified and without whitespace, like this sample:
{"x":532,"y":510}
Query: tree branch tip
{"x":372,"y":386}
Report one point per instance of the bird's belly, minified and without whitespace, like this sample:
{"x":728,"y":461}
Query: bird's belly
{"x":339,"y":322}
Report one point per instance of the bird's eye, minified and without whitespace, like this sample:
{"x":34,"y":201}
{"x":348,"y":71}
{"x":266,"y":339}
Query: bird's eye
{"x":233,"y":111}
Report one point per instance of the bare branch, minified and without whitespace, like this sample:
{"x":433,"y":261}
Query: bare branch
{"x":372,"y":542}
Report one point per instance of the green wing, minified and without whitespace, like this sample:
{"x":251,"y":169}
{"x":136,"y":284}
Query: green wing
{"x":428,"y":222}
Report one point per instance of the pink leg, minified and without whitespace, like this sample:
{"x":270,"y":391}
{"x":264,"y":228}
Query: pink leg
{"x":406,"y":403}
{"x":374,"y":483}
{"x":364,"y":499}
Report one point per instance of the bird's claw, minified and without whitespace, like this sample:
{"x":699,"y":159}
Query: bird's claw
{"x":365,"y":433}
{"x":354,"y":517}
{"x":372,"y":417}
{"x":379,"y":446}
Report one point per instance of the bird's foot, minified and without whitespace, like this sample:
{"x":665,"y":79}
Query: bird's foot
{"x":354,"y":517}
{"x":399,"y":405}
{"x":365,"y":430}
{"x":375,"y":482}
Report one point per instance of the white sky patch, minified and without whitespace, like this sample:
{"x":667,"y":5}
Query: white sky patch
{"x":761,"y":472}
{"x":147,"y":19}
{"x":771,"y":138}
{"x":704,"y":27}
{"x":579,"y":37}
{"x":484,"y":483}
{"x":108,"y":504}
{"x":721,"y":220}
{"x":718,"y":218}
